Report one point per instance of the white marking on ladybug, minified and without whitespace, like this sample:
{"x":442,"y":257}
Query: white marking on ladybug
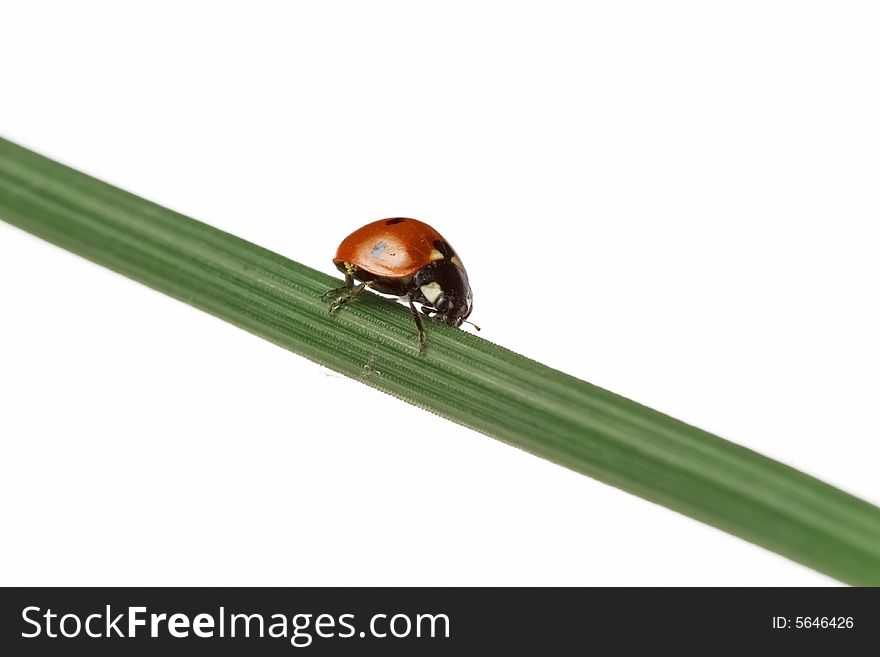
{"x":436,"y":255}
{"x":432,"y":291}
{"x":457,"y":262}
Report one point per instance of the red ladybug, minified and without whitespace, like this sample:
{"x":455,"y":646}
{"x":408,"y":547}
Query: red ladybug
{"x":407,"y":258}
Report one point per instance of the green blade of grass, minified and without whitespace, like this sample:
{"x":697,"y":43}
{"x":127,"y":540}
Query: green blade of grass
{"x":460,"y":376}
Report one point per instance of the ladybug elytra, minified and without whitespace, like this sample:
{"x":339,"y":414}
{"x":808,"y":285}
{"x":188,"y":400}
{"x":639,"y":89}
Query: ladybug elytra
{"x":407,"y":258}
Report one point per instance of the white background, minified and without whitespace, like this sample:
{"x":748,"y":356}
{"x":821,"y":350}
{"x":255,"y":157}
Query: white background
{"x":676,"y":201}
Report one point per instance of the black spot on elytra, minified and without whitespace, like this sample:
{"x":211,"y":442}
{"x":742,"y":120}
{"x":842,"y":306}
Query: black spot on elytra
{"x":443,"y":248}
{"x":391,"y":222}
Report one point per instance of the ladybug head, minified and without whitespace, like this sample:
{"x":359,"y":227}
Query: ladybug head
{"x":453,"y":309}
{"x":443,"y":290}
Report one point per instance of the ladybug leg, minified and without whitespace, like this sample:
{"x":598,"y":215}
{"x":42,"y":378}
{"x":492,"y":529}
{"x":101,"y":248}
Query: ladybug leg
{"x":423,"y":338}
{"x":349,"y":295}
{"x":336,"y":291}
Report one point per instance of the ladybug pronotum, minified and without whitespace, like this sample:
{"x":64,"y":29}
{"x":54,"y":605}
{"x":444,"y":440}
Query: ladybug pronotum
{"x":406,"y":258}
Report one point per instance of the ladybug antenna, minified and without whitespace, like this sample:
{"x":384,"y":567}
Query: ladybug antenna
{"x":472,"y":324}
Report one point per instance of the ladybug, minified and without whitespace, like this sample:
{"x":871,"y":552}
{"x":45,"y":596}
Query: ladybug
{"x":407,"y":258}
